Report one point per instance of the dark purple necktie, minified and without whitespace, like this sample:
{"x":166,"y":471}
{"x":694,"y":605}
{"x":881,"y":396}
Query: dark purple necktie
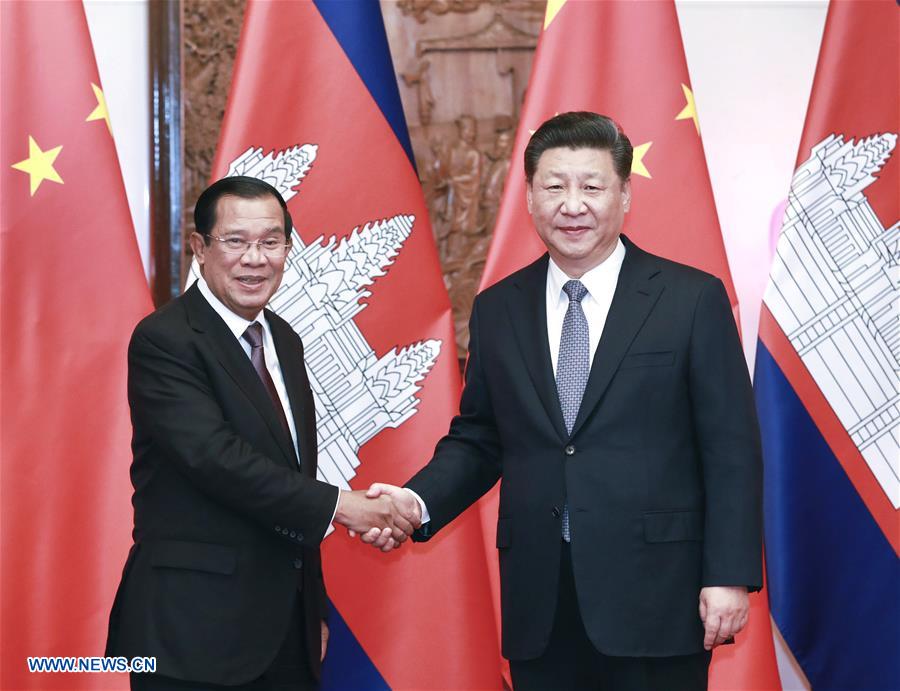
{"x":253,"y":335}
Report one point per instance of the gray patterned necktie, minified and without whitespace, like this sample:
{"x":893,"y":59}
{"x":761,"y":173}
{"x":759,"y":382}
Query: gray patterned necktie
{"x":572,"y":367}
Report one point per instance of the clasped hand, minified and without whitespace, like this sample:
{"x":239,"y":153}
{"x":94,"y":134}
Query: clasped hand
{"x":383,"y":516}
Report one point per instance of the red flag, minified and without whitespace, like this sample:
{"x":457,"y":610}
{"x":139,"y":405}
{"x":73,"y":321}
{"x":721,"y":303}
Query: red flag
{"x":314,"y":110}
{"x":626,"y":60}
{"x":72,"y":291}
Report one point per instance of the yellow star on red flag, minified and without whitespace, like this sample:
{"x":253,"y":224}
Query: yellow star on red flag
{"x":532,"y":131}
{"x":690,"y":110}
{"x":39,"y":165}
{"x":100,"y":112}
{"x":637,"y":162}
{"x":553,"y":8}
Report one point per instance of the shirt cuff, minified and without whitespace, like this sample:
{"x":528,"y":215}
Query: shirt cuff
{"x":330,"y":528}
{"x":424,"y":509}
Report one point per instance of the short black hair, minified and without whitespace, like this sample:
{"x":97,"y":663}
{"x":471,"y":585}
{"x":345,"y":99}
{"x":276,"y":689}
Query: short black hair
{"x":580,"y":130}
{"x":235,"y":186}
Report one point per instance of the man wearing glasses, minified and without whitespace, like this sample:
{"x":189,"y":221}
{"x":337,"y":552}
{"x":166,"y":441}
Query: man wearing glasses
{"x":223,"y":584}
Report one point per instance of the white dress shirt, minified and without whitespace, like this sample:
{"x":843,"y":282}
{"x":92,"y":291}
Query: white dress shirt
{"x":601,"y":286}
{"x":238,"y":325}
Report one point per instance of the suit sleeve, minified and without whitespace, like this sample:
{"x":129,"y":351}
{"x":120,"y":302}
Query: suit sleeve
{"x":466,"y":462}
{"x":323,"y":594}
{"x":172,"y":403}
{"x":727,"y":434}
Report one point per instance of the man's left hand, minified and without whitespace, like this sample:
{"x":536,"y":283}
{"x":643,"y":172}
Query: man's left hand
{"x":406,"y":506}
{"x":324,"y":640}
{"x":724,"y":611}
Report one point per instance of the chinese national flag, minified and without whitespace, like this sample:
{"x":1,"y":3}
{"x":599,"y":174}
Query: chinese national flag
{"x":314,"y":110}
{"x":72,"y":290}
{"x":626,"y":60}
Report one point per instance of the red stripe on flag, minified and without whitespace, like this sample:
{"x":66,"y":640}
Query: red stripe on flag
{"x":750,"y":662}
{"x":833,"y":432}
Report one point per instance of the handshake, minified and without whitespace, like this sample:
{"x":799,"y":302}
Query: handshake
{"x":383,"y":516}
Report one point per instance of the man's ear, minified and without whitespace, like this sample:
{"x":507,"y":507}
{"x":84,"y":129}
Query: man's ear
{"x":626,"y":195}
{"x":528,"y":196}
{"x":198,"y":247}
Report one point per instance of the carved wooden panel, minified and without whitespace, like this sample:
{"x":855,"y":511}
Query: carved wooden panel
{"x":462,"y":68}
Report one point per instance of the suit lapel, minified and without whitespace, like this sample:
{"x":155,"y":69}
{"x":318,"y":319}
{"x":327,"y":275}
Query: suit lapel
{"x":637,"y":291}
{"x":528,"y":312}
{"x":295,"y":382}
{"x":203,"y":318}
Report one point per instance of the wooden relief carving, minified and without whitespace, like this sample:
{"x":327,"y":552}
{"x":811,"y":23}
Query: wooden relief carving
{"x":421,"y":82}
{"x":463,"y":68}
{"x":420,"y":8}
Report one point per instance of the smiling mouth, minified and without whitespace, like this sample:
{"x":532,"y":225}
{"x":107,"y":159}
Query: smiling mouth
{"x":572,"y":229}
{"x":251,"y":281}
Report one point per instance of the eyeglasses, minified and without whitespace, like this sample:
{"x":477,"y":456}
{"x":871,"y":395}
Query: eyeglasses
{"x":271,"y":247}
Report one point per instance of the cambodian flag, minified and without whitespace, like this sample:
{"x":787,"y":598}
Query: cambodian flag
{"x":314,"y":109}
{"x":827,"y":369}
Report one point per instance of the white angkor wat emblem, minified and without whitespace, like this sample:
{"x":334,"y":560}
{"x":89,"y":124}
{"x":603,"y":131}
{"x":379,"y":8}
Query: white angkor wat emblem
{"x":357,"y":393}
{"x":835,"y":292}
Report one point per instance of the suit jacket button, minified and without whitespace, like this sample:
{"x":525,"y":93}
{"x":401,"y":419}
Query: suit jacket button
{"x":570,"y":450}
{"x":556,"y":512}
{"x":300,"y":537}
{"x":298,"y":563}
{"x":293,"y":533}
{"x":277,"y":528}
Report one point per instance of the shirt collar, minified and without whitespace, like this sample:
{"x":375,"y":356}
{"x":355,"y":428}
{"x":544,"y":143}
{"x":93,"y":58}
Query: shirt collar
{"x":596,"y":280}
{"x":235,"y":323}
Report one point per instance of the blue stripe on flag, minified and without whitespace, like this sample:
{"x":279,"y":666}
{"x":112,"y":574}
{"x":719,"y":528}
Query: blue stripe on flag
{"x":359,"y":28}
{"x":347,"y":666}
{"x":833,"y":577}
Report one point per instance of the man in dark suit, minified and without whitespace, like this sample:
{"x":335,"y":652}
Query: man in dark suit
{"x":223,"y":584}
{"x":607,"y":390}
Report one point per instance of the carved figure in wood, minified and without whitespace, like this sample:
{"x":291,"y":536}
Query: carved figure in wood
{"x":461,"y":165}
{"x":421,"y":82}
{"x":496,"y":170}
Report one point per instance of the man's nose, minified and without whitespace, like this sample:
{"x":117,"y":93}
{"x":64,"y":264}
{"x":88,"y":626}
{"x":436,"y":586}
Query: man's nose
{"x":573,"y":203}
{"x":253,"y":256}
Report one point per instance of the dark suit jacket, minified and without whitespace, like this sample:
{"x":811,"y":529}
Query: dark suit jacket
{"x":226,"y":526}
{"x":662,"y":470}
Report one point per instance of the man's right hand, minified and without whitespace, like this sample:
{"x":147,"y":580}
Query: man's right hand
{"x":366,"y":514}
{"x":405,"y":503}
{"x":403,"y":499}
